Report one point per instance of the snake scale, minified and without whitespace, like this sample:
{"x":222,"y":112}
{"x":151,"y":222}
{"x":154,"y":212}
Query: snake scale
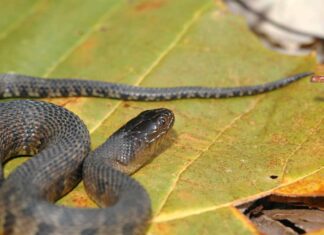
{"x":61,"y":144}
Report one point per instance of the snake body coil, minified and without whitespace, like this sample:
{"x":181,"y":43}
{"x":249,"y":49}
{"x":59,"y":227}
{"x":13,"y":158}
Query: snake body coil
{"x":61,"y":144}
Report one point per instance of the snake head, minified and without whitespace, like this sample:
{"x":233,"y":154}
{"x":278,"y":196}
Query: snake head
{"x":135,"y":143}
{"x":150,"y":125}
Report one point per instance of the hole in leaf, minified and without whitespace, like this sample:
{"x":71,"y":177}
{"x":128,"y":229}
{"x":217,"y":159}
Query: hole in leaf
{"x":275,"y":214}
{"x":292,"y":226}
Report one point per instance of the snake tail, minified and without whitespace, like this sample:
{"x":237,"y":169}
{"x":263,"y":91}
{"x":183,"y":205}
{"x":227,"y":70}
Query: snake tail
{"x":16,"y":85}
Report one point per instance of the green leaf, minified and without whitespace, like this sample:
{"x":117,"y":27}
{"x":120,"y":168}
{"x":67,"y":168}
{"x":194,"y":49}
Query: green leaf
{"x":221,"y":151}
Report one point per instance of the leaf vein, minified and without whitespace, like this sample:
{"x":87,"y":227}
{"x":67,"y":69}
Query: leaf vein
{"x":186,"y":166}
{"x":160,"y":58}
{"x":18,"y":22}
{"x":79,"y":42}
{"x":188,"y":213}
{"x":174,"y":43}
{"x":299,"y":146}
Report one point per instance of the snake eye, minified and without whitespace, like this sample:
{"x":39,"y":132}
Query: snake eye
{"x":163,"y":121}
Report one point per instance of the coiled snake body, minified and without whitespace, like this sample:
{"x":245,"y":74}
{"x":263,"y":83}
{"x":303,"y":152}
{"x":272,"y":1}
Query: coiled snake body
{"x":61,"y":145}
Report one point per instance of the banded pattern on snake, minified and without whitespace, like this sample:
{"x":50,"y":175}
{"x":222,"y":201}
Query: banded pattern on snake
{"x":16,"y":85}
{"x":61,"y":145}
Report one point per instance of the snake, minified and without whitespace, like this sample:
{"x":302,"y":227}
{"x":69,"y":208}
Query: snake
{"x":21,"y":86}
{"x":60,"y":144}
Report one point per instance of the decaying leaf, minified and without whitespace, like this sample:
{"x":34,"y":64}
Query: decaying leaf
{"x":222,"y":152}
{"x":286,"y":215}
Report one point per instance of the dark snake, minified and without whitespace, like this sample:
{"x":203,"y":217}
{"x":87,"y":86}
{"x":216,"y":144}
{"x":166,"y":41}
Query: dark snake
{"x":61,"y":144}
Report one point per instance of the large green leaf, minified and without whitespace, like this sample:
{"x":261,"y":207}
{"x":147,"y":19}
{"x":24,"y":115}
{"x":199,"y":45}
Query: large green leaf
{"x":221,"y":151}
